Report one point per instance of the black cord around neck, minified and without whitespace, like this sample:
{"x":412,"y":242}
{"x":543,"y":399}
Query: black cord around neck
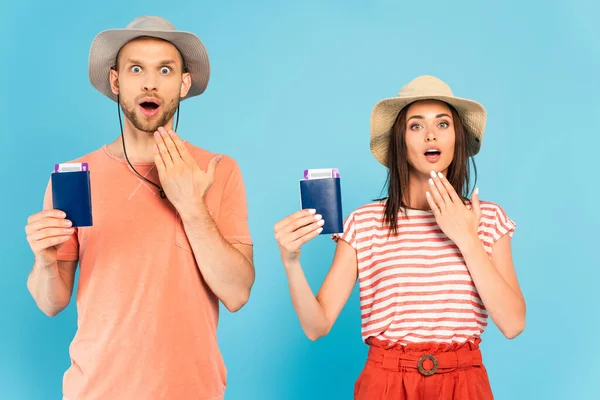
{"x":160,"y":189}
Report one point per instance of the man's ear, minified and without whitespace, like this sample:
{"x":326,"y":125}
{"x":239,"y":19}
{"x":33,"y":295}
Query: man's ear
{"x":186,"y":84}
{"x":114,"y":80}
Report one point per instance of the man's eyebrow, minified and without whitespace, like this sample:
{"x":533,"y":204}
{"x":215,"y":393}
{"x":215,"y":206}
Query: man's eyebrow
{"x":162,"y":62}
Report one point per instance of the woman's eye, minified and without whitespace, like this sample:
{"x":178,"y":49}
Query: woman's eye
{"x":444,"y":125}
{"x":416,"y":127}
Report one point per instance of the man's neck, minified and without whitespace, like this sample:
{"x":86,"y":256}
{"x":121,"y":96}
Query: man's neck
{"x":139,"y":144}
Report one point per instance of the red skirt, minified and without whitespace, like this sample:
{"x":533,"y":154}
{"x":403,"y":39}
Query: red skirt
{"x":423,"y":371}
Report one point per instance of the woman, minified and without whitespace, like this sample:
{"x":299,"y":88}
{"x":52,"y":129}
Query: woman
{"x":431,"y":264}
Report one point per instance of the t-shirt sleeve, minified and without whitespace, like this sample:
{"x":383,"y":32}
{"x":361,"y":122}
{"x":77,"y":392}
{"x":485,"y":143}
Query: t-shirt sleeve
{"x":349,"y":234}
{"x":69,"y":251}
{"x":503,"y":225}
{"x":233,"y":215}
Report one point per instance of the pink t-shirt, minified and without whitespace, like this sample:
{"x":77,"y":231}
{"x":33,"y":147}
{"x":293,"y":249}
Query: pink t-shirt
{"x":147,"y":321}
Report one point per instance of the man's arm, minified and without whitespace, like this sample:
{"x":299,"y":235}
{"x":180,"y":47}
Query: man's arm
{"x":52,"y":286}
{"x":227,"y":269}
{"x":51,"y":281}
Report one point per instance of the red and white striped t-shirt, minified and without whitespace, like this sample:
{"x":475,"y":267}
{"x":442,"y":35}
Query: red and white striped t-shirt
{"x":415,"y":286}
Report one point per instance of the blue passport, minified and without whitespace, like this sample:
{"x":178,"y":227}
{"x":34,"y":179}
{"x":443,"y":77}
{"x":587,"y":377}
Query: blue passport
{"x":71,"y":193}
{"x":325,"y":196}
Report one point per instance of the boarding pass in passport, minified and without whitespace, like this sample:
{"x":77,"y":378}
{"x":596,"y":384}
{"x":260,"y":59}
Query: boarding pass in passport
{"x":71,"y":167}
{"x":321,"y":173}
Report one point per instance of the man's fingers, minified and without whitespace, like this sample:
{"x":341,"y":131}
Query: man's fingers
{"x":44,"y":234}
{"x":45,"y":214}
{"x":170,"y":144}
{"x":49,"y":242}
{"x":180,"y":145}
{"x":163,"y":151}
{"x":47,"y":222}
{"x":160,"y":164}
{"x":212,"y":166}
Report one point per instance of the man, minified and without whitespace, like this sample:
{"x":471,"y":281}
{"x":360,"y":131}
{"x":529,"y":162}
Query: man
{"x":169,"y":239}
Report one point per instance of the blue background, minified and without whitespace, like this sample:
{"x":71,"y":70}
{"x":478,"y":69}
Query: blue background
{"x":292,"y":87}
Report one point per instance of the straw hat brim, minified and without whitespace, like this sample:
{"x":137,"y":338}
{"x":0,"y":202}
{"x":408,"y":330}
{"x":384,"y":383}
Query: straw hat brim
{"x":385,"y":112}
{"x":107,"y":44}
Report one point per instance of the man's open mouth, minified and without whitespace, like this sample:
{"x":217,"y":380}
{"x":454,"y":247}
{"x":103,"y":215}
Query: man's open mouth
{"x":149,"y":107}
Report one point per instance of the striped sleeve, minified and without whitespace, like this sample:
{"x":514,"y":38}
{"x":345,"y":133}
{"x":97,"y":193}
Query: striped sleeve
{"x":349,"y":234}
{"x":502,"y":225}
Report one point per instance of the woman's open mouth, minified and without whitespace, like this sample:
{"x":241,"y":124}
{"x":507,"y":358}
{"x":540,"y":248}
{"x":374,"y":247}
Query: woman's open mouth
{"x":433,"y":155}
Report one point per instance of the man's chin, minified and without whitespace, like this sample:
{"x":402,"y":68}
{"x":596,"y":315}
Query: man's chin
{"x":149,"y":129}
{"x":144,"y":123}
{"x":149,"y":125}
{"x":146,"y":129}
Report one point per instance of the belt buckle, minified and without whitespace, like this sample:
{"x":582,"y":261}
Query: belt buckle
{"x":422,"y":370}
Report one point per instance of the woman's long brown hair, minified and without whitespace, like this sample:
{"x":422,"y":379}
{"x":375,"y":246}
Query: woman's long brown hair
{"x":399,"y":169}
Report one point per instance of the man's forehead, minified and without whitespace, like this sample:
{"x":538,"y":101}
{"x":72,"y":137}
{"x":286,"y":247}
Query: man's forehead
{"x":150,"y":50}
{"x":149,"y":46}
